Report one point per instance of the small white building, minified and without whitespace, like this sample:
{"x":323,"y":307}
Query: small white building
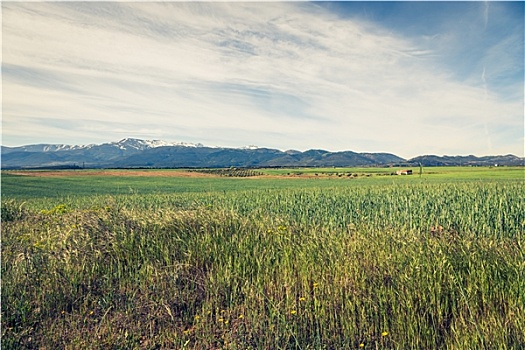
{"x":404,"y":172}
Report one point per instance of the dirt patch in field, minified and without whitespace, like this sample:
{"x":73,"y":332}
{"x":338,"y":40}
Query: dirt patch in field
{"x":142,"y":173}
{"x":157,"y":173}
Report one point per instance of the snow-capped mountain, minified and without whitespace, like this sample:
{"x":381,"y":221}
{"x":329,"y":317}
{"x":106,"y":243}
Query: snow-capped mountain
{"x":131,"y":152}
{"x":126,"y":144}
{"x":92,"y":155}
{"x":45,"y":148}
{"x":134,"y":153}
{"x":131,"y":143}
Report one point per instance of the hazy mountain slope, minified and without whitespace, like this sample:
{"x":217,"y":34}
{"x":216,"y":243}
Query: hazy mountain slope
{"x":132,"y":153}
{"x":433,"y":160}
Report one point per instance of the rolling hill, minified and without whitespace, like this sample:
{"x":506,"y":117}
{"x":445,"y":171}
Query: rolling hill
{"x":136,"y":153}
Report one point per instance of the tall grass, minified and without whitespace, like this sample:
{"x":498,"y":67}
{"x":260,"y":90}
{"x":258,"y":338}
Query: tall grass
{"x":390,"y":267}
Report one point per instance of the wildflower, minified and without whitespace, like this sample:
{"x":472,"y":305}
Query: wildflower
{"x":91,"y":312}
{"x":302,"y":299}
{"x":316,"y":285}
{"x":293,"y":312}
{"x":197,"y":317}
{"x":384,"y":334}
{"x":361,"y":345}
{"x":220,"y":320}
{"x":241,"y":316}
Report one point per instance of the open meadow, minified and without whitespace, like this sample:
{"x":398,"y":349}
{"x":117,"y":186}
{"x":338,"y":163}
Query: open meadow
{"x":273,"y":259}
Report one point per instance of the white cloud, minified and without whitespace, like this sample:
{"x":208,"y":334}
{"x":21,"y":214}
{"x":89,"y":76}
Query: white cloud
{"x":283,"y":75}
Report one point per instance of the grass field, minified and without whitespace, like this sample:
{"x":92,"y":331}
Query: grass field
{"x":122,"y":182}
{"x":280,"y":261}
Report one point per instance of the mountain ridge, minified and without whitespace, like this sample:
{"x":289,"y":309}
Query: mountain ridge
{"x":135,"y":153}
{"x":126,"y":143}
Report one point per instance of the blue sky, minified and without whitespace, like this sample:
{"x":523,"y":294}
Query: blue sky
{"x":408,"y":78}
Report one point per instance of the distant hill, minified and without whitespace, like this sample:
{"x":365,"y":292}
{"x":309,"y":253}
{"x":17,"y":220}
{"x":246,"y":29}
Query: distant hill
{"x":432,"y":160}
{"x":132,"y":153}
{"x":136,"y":153}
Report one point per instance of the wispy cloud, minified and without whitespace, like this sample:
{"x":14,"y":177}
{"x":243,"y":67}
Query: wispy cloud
{"x":283,"y":75}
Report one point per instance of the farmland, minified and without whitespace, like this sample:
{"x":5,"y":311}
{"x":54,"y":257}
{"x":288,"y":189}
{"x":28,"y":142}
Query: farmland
{"x":284,"y":259}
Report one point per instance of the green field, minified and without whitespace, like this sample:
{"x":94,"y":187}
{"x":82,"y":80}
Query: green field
{"x":427,"y":172}
{"x":371,"y":261}
{"x":83,"y":184}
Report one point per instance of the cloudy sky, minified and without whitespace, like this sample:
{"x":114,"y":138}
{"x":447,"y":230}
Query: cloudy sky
{"x":408,"y":78}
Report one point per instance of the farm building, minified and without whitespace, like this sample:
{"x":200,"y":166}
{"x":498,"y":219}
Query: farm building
{"x":404,"y":172}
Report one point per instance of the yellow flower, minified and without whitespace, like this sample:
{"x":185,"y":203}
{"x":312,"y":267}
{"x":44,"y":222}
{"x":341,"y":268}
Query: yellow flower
{"x":293,"y":312}
{"x":302,"y":299}
{"x":241,"y":316}
{"x":361,"y":345}
{"x":316,"y":285}
{"x":384,"y":334}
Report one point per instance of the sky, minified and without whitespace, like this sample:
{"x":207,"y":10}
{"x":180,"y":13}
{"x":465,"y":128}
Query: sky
{"x":409,"y":78}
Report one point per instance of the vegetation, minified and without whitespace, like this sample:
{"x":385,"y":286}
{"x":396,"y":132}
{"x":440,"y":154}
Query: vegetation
{"x":231,"y":172}
{"x":429,"y":173}
{"x":369,"y":263}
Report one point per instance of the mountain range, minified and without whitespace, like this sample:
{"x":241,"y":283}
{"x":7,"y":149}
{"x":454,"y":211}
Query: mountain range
{"x":136,"y":153}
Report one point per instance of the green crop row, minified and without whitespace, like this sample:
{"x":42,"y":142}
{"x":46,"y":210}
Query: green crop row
{"x":378,"y":266}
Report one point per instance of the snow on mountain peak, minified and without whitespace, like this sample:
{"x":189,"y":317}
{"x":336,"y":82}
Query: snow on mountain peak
{"x":55,"y":147}
{"x":250,"y":147}
{"x":126,"y":144}
{"x":139,"y":144}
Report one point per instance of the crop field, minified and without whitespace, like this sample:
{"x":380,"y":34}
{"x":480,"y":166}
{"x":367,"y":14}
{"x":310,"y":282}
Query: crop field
{"x":270,"y":259}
